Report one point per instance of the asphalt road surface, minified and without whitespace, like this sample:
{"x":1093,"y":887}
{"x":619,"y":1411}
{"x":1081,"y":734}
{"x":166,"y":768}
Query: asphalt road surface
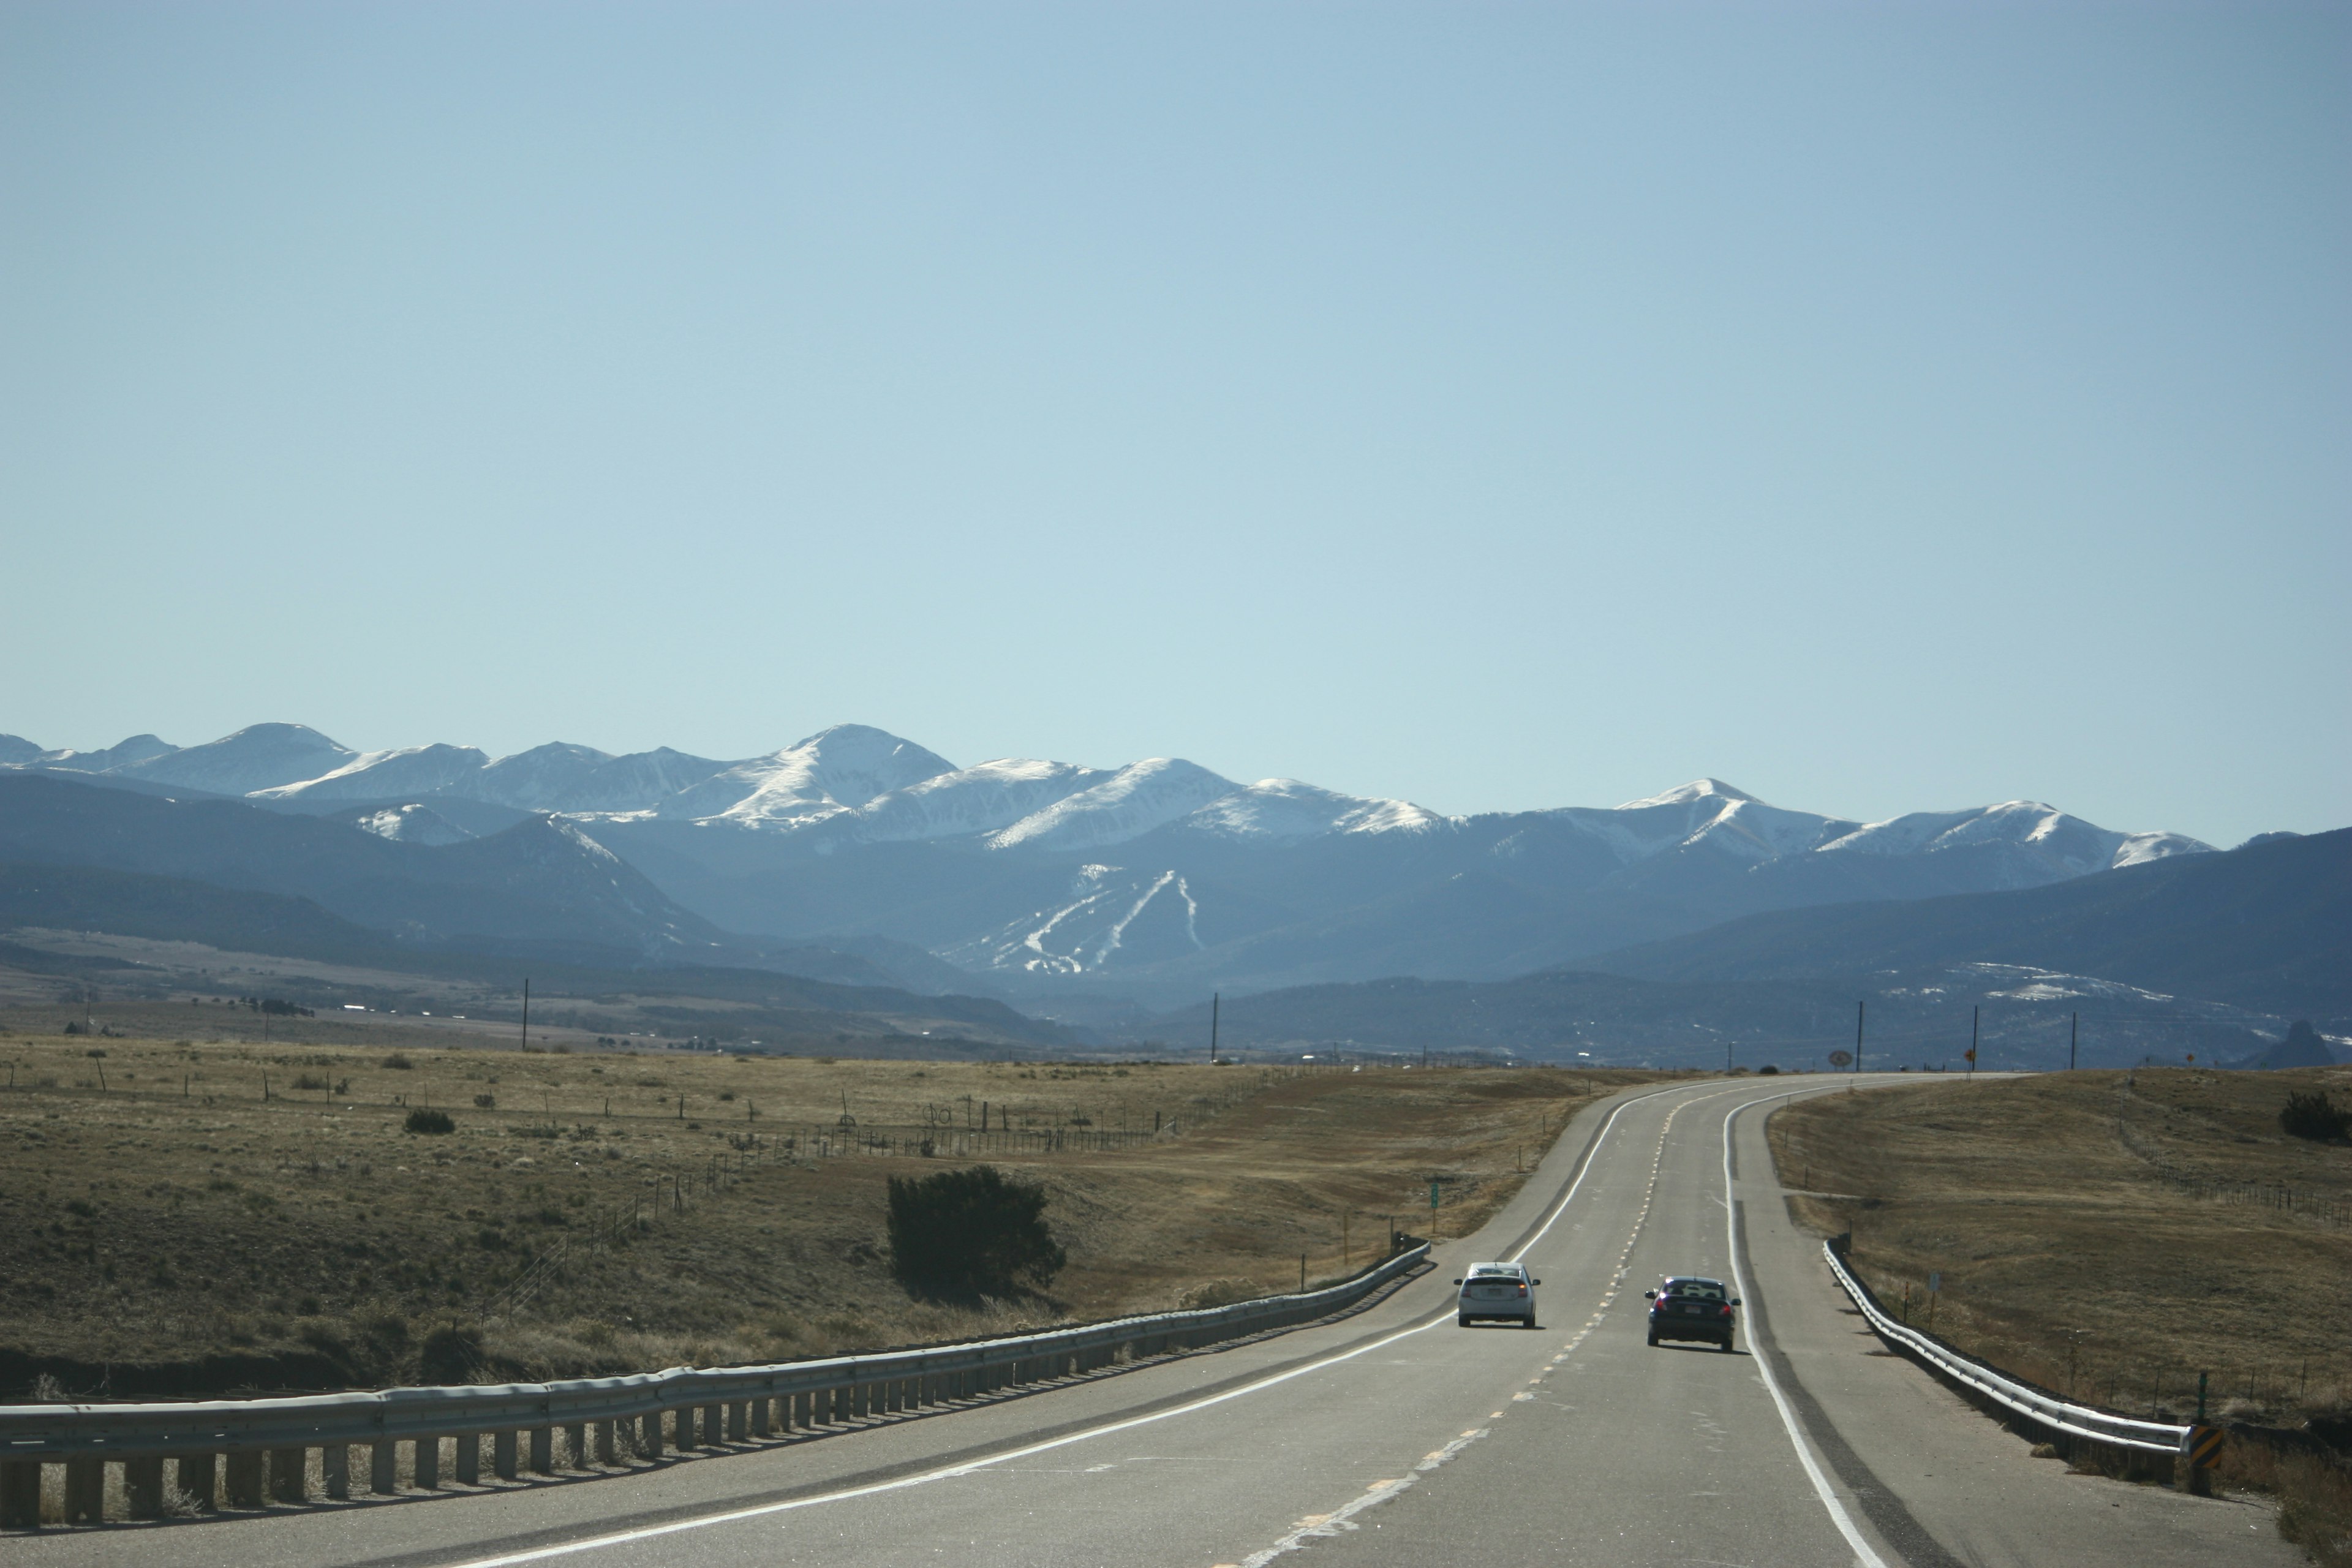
{"x":1389,"y":1437}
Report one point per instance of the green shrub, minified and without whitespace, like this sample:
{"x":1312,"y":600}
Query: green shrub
{"x":970,"y":1233}
{"x":2311,"y":1114}
{"x":398,"y":1063}
{"x":423,"y":1120}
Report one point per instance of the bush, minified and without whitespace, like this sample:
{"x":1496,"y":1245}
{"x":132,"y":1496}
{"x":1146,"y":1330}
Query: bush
{"x":2311,"y":1114}
{"x":451,"y":1355}
{"x":423,"y":1120}
{"x":398,"y":1063}
{"x":1768,"y":1071}
{"x":487,"y":1101}
{"x":970,"y":1233}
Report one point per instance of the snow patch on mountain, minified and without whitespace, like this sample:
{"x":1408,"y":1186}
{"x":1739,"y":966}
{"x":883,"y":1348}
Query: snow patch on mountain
{"x":1107,"y":906}
{"x":832,"y":771}
{"x":1128,"y":804}
{"x":1289,"y":811}
{"x":121,"y":755}
{"x":988,"y":797}
{"x":411,"y":824}
{"x":378,"y":775}
{"x":2051,"y":844}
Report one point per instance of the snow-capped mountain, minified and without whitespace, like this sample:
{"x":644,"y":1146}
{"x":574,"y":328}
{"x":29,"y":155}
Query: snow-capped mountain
{"x":1156,"y":873}
{"x":258,"y":757}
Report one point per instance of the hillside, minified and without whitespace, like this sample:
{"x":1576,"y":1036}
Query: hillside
{"x":2268,"y":927}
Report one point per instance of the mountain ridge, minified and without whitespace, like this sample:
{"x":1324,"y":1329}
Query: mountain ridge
{"x":1159,"y":878}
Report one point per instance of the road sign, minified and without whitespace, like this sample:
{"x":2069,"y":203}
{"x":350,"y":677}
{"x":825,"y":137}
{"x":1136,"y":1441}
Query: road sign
{"x":1935,"y":1281}
{"x":2204,"y":1446}
{"x":1841,"y":1059}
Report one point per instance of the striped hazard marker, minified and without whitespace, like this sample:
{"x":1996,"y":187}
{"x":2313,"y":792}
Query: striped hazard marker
{"x":2204,"y":1446}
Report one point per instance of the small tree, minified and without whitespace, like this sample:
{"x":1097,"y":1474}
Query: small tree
{"x":423,"y":1120}
{"x":970,"y":1233}
{"x":2311,"y":1114}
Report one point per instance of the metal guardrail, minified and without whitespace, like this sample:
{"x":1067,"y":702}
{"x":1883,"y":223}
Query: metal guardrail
{"x":757,"y":1401}
{"x":2081,"y":1420}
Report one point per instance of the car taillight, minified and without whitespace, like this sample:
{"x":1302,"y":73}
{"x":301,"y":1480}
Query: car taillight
{"x":1523,"y":1289}
{"x":1726,"y":1308}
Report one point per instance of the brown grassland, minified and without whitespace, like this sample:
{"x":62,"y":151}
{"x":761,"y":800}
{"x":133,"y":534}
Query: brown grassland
{"x":171,"y":1230}
{"x":2111,"y":1236}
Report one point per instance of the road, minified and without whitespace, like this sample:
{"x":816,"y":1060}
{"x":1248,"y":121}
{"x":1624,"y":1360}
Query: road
{"x":1391,"y":1436}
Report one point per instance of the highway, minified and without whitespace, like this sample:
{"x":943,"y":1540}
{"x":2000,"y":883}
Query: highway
{"x":1389,"y":1437}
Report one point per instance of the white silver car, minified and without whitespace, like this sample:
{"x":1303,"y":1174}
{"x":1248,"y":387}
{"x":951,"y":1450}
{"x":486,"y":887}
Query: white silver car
{"x":1504,"y":1291}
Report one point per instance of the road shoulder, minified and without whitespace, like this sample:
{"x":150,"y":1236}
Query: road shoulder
{"x":1967,"y":1483}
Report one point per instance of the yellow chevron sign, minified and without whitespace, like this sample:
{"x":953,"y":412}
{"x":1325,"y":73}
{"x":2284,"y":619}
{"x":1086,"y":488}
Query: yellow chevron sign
{"x":2204,"y":1447}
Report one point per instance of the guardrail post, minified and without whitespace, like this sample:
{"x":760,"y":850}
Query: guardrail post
{"x":682,"y":1428}
{"x":384,"y":1466}
{"x":608,"y":1450}
{"x":713,"y":1421}
{"x":502,"y":1455}
{"x":469,"y":1458}
{"x":428,"y":1463}
{"x":542,"y":1451}
{"x":802,"y":1412}
{"x":289,"y":1475}
{"x":335,"y":1470}
{"x":763,"y":1415}
{"x":738,"y":1421}
{"x":649,"y":1442}
{"x":20,"y":1494}
{"x":194,"y":1474}
{"x":142,"y":1488}
{"x":85,"y":1490}
{"x":245,"y":1478}
{"x":894,"y":1394}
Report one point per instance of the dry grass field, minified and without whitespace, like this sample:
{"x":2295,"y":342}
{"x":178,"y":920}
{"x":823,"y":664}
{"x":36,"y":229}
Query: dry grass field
{"x":178,"y":1224}
{"x":2111,"y":1235}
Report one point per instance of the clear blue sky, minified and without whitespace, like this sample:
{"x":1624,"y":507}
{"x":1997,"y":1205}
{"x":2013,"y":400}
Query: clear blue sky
{"x":1882,"y":406}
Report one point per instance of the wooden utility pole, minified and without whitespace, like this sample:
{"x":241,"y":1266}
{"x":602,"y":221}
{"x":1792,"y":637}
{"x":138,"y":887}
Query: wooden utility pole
{"x":2074,"y":1032}
{"x":1213,"y":1000}
{"x":1976,"y":1013}
{"x":1857,"y":1037}
{"x":525,"y":1012}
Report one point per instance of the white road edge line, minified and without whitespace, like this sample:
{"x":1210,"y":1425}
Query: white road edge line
{"x":948,"y":1472}
{"x":1862,"y":1552}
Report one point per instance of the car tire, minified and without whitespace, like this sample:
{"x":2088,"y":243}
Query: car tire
{"x":1653,"y":1342}
{"x":1527,"y":1323}
{"x":1461,"y":1322}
